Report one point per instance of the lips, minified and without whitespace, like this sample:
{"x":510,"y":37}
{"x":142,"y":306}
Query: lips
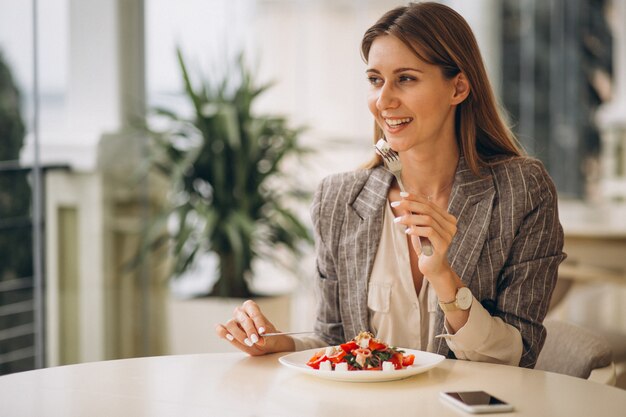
{"x":394,"y":124}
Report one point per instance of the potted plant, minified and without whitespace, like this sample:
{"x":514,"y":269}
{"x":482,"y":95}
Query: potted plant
{"x":16,"y":256}
{"x":230,"y":195}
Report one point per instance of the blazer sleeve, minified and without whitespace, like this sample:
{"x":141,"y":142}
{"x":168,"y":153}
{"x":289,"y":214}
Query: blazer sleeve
{"x":328,"y":324}
{"x":529,"y":275}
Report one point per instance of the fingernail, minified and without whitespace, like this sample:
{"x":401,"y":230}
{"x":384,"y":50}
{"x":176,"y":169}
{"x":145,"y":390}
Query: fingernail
{"x":261,"y":330}
{"x":407,"y":230}
{"x":230,"y":337}
{"x":254,"y":338}
{"x":404,"y":194}
{"x":395,"y":203}
{"x":397,"y":219}
{"x":248,"y":342}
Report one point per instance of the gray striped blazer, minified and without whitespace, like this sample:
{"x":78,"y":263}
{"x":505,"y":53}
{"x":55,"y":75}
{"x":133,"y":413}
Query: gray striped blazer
{"x":507,"y":249}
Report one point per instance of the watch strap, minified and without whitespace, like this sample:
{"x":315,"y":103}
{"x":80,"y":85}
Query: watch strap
{"x":462,"y":301}
{"x":451,"y":306}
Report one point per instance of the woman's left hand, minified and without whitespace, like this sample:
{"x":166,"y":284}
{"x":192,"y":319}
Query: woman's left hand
{"x":424,"y":218}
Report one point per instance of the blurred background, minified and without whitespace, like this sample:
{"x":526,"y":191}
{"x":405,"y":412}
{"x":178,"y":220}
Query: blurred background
{"x":113,"y":232}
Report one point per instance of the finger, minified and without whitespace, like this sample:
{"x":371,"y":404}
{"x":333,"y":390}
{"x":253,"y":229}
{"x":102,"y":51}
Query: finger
{"x":412,"y":198}
{"x":247,"y":324}
{"x":422,"y":220}
{"x":417,"y":244}
{"x":423,"y":206}
{"x":239,"y":339}
{"x":260,"y":321}
{"x":234,"y":329}
{"x":420,"y":245}
{"x":441,"y":220}
{"x":439,"y":243}
{"x":224,"y":333}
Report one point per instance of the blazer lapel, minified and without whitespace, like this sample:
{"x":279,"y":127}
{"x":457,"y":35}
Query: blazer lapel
{"x":361,"y":236}
{"x":471,"y":202}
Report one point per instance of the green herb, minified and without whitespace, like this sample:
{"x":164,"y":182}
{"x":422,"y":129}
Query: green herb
{"x":384,"y":355}
{"x":374,"y":361}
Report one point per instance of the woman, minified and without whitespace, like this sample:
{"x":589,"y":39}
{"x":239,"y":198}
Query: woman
{"x":490,"y":213}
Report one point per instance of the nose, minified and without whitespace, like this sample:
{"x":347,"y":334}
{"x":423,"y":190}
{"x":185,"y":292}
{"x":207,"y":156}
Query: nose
{"x":387,"y":98}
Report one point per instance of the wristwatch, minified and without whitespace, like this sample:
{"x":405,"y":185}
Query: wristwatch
{"x":463,"y":301}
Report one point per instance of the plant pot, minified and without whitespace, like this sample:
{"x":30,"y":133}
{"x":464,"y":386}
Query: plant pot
{"x":191,"y":322}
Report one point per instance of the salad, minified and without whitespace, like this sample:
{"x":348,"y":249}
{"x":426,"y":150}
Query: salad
{"x":364,"y":352}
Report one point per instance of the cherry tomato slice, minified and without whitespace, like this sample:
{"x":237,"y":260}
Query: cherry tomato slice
{"x":408,"y":360}
{"x":349,"y":347}
{"x":377,"y":345}
{"x":318,"y":358}
{"x":396,"y":359}
{"x":337,"y":357}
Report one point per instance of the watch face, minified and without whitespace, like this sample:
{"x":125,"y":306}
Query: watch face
{"x":464,"y":298}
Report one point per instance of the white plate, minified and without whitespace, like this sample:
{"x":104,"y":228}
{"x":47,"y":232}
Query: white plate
{"x":423,"y":362}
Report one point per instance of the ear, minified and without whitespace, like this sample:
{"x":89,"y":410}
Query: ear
{"x":461,"y":88}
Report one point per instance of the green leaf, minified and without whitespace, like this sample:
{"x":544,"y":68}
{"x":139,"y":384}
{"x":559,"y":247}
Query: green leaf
{"x":228,"y":112}
{"x":235,"y":240}
{"x":197,"y":102}
{"x":166,"y":112}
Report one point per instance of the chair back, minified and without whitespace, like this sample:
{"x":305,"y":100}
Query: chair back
{"x":572,"y":350}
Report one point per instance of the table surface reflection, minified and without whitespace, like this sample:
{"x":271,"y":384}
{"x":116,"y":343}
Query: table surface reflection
{"x":234,"y":384}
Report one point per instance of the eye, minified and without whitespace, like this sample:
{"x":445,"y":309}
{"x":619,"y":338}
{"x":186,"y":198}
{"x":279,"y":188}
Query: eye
{"x":406,"y":78}
{"x":373,"y":80}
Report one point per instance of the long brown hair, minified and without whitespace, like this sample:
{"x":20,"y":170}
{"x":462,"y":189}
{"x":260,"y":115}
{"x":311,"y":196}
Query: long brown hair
{"x":440,"y":36}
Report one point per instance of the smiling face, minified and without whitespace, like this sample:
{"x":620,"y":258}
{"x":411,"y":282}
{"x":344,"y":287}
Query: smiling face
{"x":410,"y":99}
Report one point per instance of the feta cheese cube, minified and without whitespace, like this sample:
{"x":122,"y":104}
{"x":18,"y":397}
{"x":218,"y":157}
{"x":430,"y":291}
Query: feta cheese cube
{"x":341,"y":367}
{"x":326,"y":366}
{"x":364,"y":342}
{"x":388,"y":366}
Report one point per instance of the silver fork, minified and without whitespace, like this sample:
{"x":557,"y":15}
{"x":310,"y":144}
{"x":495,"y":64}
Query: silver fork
{"x":393,"y":164}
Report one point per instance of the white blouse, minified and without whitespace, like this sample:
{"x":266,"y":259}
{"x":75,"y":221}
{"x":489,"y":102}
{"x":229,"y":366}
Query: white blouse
{"x":398,"y":316}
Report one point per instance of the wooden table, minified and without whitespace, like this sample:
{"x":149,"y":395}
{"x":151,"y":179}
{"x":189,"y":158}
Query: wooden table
{"x":233,"y":384}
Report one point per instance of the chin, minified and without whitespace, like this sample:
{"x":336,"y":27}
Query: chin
{"x":397,"y":144}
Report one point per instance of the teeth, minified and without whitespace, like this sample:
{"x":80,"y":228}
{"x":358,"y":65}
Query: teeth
{"x":397,"y":122}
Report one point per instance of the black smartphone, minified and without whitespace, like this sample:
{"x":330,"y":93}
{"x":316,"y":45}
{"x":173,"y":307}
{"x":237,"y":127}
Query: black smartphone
{"x":476,"y":402}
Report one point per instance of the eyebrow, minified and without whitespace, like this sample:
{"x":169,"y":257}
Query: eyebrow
{"x":395,"y":71}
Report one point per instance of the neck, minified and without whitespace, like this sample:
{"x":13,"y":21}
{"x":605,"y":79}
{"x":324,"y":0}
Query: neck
{"x":429,"y":172}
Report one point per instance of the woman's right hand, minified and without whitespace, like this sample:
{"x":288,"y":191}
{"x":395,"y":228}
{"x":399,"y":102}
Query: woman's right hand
{"x":245,"y":332}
